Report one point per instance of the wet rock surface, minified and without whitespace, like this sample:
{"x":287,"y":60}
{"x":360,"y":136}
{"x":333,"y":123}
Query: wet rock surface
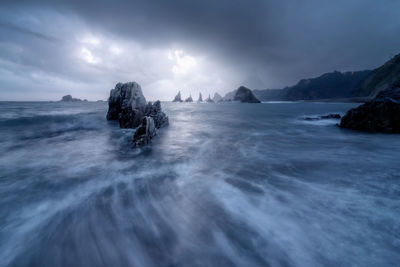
{"x":145,"y":132}
{"x":382,"y":114}
{"x":127,"y":104}
{"x":154,"y":111}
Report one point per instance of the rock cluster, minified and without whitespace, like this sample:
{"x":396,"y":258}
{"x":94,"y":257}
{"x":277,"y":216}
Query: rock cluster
{"x":381,"y":114}
{"x":69,"y":98}
{"x":128,"y":105}
{"x":245,"y":95}
{"x":324,"y":117}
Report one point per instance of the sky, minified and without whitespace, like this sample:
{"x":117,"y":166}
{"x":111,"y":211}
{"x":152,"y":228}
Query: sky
{"x":51,"y":48}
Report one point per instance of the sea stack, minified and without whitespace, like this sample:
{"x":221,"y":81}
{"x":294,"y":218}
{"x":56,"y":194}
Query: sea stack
{"x":209,"y":100}
{"x":245,"y":95}
{"x":217,"y":98}
{"x":381,"y":114}
{"x":178,"y":97}
{"x":128,"y":105}
{"x":229,"y":96}
{"x":200,"y":98}
{"x":189,"y":99}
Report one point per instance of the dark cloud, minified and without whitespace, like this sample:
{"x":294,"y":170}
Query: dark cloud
{"x":263,"y":43}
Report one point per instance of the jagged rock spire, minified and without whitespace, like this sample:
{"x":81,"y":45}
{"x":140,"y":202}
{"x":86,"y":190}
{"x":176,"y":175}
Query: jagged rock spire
{"x":177,"y":97}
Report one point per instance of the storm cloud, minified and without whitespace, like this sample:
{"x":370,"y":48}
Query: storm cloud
{"x":51,"y":48}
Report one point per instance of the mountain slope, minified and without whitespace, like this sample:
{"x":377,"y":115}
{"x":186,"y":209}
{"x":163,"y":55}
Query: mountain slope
{"x":339,"y":85}
{"x":329,"y":85}
{"x":380,"y":79}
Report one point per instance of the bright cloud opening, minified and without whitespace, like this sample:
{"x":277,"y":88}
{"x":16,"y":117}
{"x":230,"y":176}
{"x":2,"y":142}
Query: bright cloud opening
{"x":183,"y":62}
{"x":88,"y":56}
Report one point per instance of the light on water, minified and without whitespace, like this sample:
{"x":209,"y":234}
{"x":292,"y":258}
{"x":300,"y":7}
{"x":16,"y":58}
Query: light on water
{"x":223,"y":185}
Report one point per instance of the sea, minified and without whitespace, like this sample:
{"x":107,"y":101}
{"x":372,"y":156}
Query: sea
{"x":227,"y":184}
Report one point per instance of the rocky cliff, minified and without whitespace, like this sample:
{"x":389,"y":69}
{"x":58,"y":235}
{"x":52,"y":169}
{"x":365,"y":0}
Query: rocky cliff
{"x":380,"y":79}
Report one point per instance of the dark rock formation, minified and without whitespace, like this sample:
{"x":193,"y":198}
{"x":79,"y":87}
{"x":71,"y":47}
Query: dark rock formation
{"x":178,"y":97}
{"x":217,"y":98}
{"x":69,"y":98}
{"x":154,"y":111}
{"x":126,"y":104}
{"x":324,"y":117}
{"x":245,"y":95}
{"x":209,"y":100}
{"x":145,"y":132}
{"x":200,"y":98}
{"x":382,"y":114}
{"x":189,"y":99}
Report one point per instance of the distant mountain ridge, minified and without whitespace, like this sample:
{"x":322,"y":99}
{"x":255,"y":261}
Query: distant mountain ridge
{"x":336,"y":85}
{"x":329,"y":85}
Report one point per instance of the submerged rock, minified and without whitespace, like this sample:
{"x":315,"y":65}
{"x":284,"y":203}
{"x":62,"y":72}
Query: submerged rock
{"x":245,"y":95}
{"x":69,"y":98}
{"x":145,"y":132}
{"x":126,"y":104}
{"x":324,"y":117}
{"x":178,"y":97}
{"x":381,"y":114}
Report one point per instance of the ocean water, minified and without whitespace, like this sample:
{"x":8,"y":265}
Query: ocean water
{"x":224,"y":185}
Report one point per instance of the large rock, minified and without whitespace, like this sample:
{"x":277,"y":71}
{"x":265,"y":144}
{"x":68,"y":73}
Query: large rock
{"x":245,"y":95}
{"x":382,"y":114}
{"x":126,"y":104}
{"x":217,"y":98}
{"x":200,"y":98}
{"x":145,"y":132}
{"x":69,"y":98}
